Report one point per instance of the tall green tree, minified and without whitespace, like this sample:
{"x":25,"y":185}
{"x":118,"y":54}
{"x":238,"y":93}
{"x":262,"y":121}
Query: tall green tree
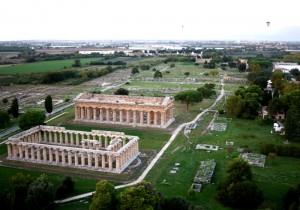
{"x":15,"y":108}
{"x":135,"y":70}
{"x":157,"y":74}
{"x":139,"y":197}
{"x":31,"y":118}
{"x":189,"y":97}
{"x":292,"y":124}
{"x":234,"y":106}
{"x":105,"y":197}
{"x":4,"y":100}
{"x":4,"y":119}
{"x":48,"y":104}
{"x":238,"y":190}
{"x":40,"y":194}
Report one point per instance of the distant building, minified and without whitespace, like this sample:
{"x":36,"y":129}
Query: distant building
{"x":285,"y":67}
{"x":202,"y":60}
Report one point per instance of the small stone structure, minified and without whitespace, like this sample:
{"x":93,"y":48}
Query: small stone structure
{"x":207,"y":147}
{"x":98,"y":150}
{"x":205,"y":171}
{"x":254,"y":159}
{"x":124,"y":110}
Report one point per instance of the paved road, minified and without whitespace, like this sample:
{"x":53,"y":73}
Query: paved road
{"x":157,"y":157}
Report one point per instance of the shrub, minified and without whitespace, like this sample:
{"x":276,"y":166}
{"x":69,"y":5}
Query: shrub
{"x":281,"y":150}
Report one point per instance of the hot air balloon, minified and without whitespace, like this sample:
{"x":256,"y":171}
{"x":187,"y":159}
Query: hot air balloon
{"x":268,"y":24}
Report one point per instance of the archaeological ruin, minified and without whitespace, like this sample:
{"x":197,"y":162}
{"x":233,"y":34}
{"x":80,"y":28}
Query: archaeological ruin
{"x":106,"y":151}
{"x":124,"y":110}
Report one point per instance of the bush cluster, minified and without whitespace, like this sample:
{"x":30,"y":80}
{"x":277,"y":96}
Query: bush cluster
{"x":281,"y":150}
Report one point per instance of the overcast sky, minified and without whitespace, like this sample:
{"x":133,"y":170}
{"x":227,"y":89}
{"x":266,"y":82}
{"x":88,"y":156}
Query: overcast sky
{"x":150,"y":20}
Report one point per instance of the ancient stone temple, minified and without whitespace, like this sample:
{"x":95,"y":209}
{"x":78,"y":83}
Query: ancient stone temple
{"x":124,"y":110}
{"x":98,"y":150}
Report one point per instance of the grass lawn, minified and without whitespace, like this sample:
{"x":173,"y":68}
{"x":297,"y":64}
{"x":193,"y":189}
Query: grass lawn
{"x":43,"y":66}
{"x":283,"y":173}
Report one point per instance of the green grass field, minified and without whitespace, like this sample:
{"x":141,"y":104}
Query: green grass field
{"x":43,"y":66}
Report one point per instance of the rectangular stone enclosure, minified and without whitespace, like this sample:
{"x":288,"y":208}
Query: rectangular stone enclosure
{"x":106,"y":151}
{"x":124,"y":110}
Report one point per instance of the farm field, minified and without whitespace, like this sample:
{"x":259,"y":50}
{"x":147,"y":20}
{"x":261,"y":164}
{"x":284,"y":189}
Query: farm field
{"x":43,"y":66}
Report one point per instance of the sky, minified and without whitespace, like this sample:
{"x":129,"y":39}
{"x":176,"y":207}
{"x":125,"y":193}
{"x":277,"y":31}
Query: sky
{"x":149,"y":20}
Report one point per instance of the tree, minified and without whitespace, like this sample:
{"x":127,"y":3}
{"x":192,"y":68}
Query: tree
{"x":77,"y":63}
{"x":295,"y":72}
{"x":213,"y":72}
{"x":48,"y":104}
{"x":278,"y":80}
{"x":20,"y":184}
{"x":187,"y":73}
{"x":4,"y":100}
{"x":139,"y":197}
{"x":172,"y":65}
{"x":234,"y":106}
{"x":157,"y":74}
{"x":291,"y":198}
{"x":274,"y":106}
{"x":177,"y":203}
{"x":15,"y":108}
{"x":189,"y":96}
{"x":121,"y":91}
{"x":31,"y":118}
{"x":40,"y":194}
{"x":4,"y":119}
{"x":207,"y":90}
{"x":292,"y":124}
{"x":242,"y":67}
{"x":135,"y":70}
{"x":238,"y":190}
{"x":65,"y":188}
{"x":105,"y":196}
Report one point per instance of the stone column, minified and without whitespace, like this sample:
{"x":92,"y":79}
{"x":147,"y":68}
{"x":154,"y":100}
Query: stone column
{"x":45,"y":136}
{"x":44,"y":154}
{"x":88,"y":113}
{"x":127,"y":116}
{"x":89,"y":159}
{"x":8,"y":151}
{"x":76,"y":112}
{"x":134,"y":117}
{"x":100,"y":115}
{"x":29,"y":138}
{"x":141,"y":117}
{"x":38,"y":154}
{"x":40,"y":136}
{"x":32,"y":152}
{"x":50,"y":155}
{"x":63,"y":157}
{"x":20,"y":151}
{"x":77,"y":139}
{"x":107,"y":115}
{"x":76,"y":158}
{"x":118,"y":164}
{"x":72,"y":140}
{"x":103,"y":161}
{"x":155,"y":118}
{"x":56,"y":155}
{"x":82,"y":113}
{"x":95,"y":113}
{"x":114,"y":115}
{"x":148,"y":118}
{"x":109,"y":162}
{"x":96,"y":161}
{"x":69,"y":158}
{"x":121,"y":116}
{"x":82,"y":159}
{"x":162,"y":118}
{"x":66,"y":138}
{"x":106,"y":142}
{"x":26,"y":152}
{"x":50,"y":136}
{"x":60,"y":138}
{"x":55,"y":137}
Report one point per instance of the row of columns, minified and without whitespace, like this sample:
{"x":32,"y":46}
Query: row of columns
{"x":67,"y":138}
{"x":80,"y":158}
{"x":135,"y":117}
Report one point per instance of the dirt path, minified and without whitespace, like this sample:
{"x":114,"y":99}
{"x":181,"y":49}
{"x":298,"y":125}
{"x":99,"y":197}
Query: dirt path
{"x":157,"y":157}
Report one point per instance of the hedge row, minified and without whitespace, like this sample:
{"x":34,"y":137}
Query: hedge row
{"x":281,"y":150}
